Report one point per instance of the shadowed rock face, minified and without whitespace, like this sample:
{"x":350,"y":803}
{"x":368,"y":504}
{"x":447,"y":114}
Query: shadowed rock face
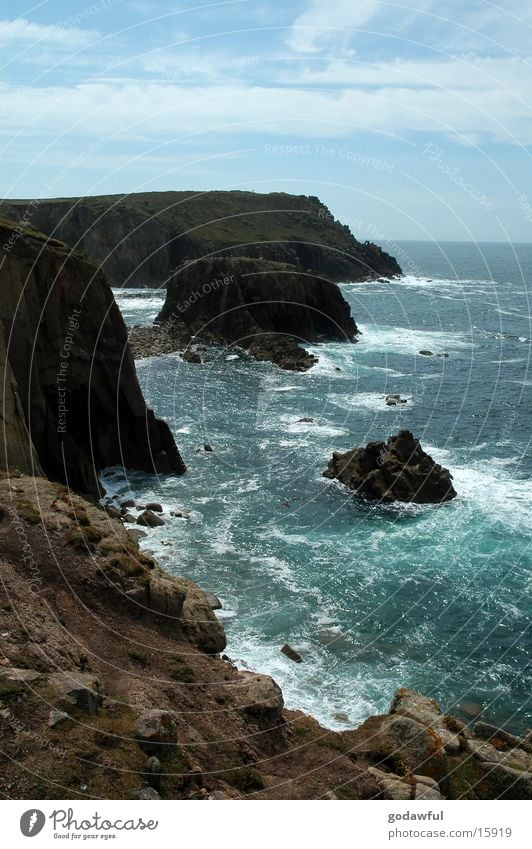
{"x":396,"y":470}
{"x":264,"y":306}
{"x":68,"y":357}
{"x":139,"y":239}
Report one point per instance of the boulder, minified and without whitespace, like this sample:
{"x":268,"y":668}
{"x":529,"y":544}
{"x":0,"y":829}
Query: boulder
{"x":390,"y":786}
{"x":147,"y":794}
{"x":426,"y":353}
{"x":57,"y":717}
{"x":191,"y":357}
{"x":149,"y":519}
{"x":291,"y":653}
{"x":428,"y":793}
{"x":155,"y":730}
{"x":76,"y":690}
{"x":160,"y":594}
{"x":257,"y":694}
{"x":412,"y":747}
{"x":213,"y":601}
{"x":22,"y":676}
{"x":154,"y":506}
{"x":396,"y":470}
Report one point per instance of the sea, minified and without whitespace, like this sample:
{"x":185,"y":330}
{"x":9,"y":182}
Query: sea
{"x":374,"y":597}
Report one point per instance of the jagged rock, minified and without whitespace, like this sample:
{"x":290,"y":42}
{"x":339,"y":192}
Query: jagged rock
{"x":391,"y":786}
{"x":154,"y":506}
{"x":291,"y":653}
{"x":412,"y":747}
{"x":61,"y":316}
{"x":149,"y":519}
{"x":76,"y":690}
{"x":146,"y":794}
{"x":213,"y":601}
{"x":396,"y":470}
{"x":22,"y":676}
{"x":427,"y":712}
{"x":258,"y":694}
{"x":155,"y":729}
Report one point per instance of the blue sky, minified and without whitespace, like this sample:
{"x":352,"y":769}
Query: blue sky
{"x":409,"y":119}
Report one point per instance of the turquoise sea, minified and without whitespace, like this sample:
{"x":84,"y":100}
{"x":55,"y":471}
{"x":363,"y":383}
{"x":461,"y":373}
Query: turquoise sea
{"x":374,"y":597}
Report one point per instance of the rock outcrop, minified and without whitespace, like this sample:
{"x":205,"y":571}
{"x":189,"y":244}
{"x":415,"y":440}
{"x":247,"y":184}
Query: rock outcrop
{"x":396,"y":470}
{"x":139,"y":239}
{"x":73,"y":402}
{"x":266,"y":307}
{"x":112,"y":687}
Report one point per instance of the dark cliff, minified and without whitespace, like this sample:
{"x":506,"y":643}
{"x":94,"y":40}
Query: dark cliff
{"x":264,"y":306}
{"x":74,"y":401}
{"x":139,"y":239}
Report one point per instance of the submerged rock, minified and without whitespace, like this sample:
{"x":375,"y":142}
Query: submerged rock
{"x":291,"y":653}
{"x":396,"y":470}
{"x":149,"y":519}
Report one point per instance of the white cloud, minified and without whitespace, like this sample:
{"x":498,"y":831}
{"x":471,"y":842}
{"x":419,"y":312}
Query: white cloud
{"x":22,"y":32}
{"x":329,"y":21}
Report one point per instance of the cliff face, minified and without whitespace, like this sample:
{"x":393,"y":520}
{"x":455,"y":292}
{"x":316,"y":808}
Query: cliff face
{"x":267,"y":307}
{"x":139,"y":239}
{"x":70,"y":370}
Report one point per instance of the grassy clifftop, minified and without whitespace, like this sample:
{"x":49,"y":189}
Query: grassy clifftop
{"x":140,"y":238}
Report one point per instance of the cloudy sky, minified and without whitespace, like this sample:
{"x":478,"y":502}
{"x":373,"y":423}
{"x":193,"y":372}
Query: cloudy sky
{"x":410,"y":119}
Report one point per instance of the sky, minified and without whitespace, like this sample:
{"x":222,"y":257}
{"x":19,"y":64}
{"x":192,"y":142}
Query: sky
{"x":410,"y":120}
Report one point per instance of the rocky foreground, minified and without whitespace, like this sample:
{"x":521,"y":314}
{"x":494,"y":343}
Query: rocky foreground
{"x":112,"y":686}
{"x":269,"y":308}
{"x":396,"y":470}
{"x":140,"y":239}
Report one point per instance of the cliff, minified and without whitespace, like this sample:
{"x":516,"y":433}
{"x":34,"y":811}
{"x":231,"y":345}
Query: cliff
{"x":73,"y":399}
{"x":111,"y":687}
{"x":264,"y":306}
{"x":139,"y":239}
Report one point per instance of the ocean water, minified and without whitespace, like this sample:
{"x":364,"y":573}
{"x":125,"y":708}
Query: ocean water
{"x":374,"y":597}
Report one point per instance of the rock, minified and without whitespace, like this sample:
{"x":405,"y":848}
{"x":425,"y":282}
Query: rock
{"x":136,"y":533}
{"x":396,"y":470}
{"x":213,"y":601}
{"x":427,"y":712}
{"x":191,"y":357}
{"x":149,"y":519}
{"x":128,"y":503}
{"x":265,"y":306}
{"x":146,"y":794}
{"x":76,"y":690}
{"x":291,"y":653}
{"x":258,"y":694}
{"x":391,"y":786}
{"x":113,"y":511}
{"x":394,"y":400}
{"x":160,"y":594}
{"x":54,"y":301}
{"x":470,"y":708}
{"x":500,"y":738}
{"x":153,"y":772}
{"x":503,"y":782}
{"x":57,"y":717}
{"x":22,"y":676}
{"x":514,"y":758}
{"x":208,"y":448}
{"x":218,"y":795}
{"x":154,"y":506}
{"x":424,"y":792}
{"x":155,"y":730}
{"x":306,"y":420}
{"x":412,"y":747}
{"x":179,"y":513}
{"x":426,"y":353}
{"x":129,"y":519}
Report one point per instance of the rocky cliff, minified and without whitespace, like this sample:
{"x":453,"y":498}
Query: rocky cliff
{"x":139,"y":239}
{"x":73,"y":399}
{"x":111,"y":687}
{"x":264,"y":306}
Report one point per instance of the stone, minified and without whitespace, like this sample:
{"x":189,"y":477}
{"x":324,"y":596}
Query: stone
{"x":424,"y":792}
{"x":391,"y":786}
{"x":217,"y":795}
{"x":470,"y":708}
{"x":57,"y":717}
{"x":208,"y":448}
{"x":291,"y":653}
{"x":501,"y":739}
{"x":146,"y":794}
{"x":153,"y":772}
{"x":129,"y":518}
{"x":154,"y":730}
{"x":396,"y":470}
{"x":427,"y":780}
{"x":258,"y":694}
{"x":515,"y":758}
{"x":427,"y":712}
{"x":160,"y":594}
{"x":149,"y":519}
{"x":503,"y":782}
{"x":394,"y":400}
{"x":306,"y":420}
{"x":412,"y":747}
{"x":136,"y":534}
{"x":79,"y":690}
{"x":213,"y":601}
{"x":128,"y":503}
{"x":22,"y":676}
{"x":154,"y":506}
{"x":191,"y":357}
{"x":426,"y":353}
{"x":113,"y":511}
